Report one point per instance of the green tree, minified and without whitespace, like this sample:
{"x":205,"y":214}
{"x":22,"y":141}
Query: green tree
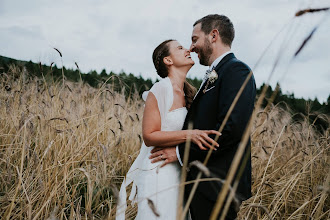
{"x":103,"y":73}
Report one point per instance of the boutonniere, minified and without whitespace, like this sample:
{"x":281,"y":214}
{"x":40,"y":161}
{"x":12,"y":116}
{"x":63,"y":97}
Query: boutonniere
{"x":212,"y":77}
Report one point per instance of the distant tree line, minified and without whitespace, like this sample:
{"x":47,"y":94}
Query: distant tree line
{"x":297,"y":105}
{"x":130,"y":83}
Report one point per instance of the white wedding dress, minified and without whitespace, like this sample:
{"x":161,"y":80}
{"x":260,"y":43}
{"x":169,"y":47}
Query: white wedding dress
{"x":160,"y":185}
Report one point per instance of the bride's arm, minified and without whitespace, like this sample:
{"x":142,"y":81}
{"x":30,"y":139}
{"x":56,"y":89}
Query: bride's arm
{"x":153,"y":136}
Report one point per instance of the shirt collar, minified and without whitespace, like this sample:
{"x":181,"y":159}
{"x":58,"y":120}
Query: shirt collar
{"x":217,"y":61}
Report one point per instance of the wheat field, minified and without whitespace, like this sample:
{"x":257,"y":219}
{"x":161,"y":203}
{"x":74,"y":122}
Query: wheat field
{"x":65,"y":148}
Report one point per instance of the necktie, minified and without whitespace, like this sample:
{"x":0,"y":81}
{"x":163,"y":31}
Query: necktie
{"x":207,"y":73}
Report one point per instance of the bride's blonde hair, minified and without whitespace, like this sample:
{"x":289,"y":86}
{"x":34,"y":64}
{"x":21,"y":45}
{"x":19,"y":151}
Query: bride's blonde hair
{"x":158,"y":55}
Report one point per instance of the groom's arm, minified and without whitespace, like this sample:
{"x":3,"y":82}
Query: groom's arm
{"x":234,"y":128}
{"x":239,"y":118}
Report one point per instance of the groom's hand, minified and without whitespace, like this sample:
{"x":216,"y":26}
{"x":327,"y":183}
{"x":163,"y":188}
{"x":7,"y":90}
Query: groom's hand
{"x":168,"y":155}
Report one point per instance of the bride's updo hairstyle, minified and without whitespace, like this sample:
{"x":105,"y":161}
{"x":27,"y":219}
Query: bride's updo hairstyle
{"x":158,"y":55}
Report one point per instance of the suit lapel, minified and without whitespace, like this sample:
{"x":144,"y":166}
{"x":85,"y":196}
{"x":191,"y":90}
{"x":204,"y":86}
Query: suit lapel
{"x":200,"y":91}
{"x":217,"y":69}
{"x":200,"y":88}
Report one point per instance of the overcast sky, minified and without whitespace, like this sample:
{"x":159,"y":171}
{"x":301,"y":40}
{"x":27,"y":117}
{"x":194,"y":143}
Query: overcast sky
{"x":121,"y":35}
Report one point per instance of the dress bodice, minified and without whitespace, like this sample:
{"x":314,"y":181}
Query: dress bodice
{"x":174,"y":119}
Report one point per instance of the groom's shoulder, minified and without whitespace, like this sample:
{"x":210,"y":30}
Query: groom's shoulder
{"x":236,"y":68}
{"x":238,"y":63}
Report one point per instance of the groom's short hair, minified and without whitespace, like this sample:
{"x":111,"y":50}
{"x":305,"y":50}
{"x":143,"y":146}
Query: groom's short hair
{"x":220,"y":22}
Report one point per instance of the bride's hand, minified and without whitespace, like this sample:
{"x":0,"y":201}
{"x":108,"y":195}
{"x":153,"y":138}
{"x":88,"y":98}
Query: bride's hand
{"x":202,"y":139}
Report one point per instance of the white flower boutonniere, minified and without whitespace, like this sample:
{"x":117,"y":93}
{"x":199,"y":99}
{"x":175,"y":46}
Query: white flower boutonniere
{"x":212,"y":77}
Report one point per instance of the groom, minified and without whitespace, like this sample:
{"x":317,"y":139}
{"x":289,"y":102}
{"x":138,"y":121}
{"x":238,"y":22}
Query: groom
{"x":212,"y":37}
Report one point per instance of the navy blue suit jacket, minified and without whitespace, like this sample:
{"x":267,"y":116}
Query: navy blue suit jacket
{"x":207,"y":112}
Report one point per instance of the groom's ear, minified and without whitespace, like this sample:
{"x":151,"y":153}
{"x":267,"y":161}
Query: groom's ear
{"x":168,"y":61}
{"x":214,"y":35}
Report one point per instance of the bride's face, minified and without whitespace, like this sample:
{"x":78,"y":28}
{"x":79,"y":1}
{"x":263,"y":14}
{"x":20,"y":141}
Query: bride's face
{"x":179,"y":55}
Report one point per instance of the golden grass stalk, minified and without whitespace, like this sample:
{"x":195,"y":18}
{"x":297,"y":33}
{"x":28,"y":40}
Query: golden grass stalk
{"x":63,"y":77}
{"x":79,"y":71}
{"x":310,"y":10}
{"x":183,"y":175}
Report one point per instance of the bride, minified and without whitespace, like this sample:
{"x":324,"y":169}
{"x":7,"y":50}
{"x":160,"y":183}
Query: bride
{"x":156,"y":188}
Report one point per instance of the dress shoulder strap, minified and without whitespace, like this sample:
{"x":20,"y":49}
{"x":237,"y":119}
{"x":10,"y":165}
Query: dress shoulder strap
{"x":163,"y":92}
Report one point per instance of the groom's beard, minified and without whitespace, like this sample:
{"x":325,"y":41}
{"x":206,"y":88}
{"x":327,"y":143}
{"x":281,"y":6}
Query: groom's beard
{"x":205,"y":53}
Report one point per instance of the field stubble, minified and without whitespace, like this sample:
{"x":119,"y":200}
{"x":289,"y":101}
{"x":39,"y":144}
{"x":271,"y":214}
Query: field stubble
{"x":65,"y":148}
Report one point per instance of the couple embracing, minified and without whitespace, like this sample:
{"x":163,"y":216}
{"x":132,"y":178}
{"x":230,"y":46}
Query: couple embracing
{"x":172,"y":104}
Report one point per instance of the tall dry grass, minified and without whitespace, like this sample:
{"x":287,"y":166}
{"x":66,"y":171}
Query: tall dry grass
{"x":290,"y":168}
{"x":64,"y":150}
{"x":66,"y":147}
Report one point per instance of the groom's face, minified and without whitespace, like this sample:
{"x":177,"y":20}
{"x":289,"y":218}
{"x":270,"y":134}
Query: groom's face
{"x":201,"y":45}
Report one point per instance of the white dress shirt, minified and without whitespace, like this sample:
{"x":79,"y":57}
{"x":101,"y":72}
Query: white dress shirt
{"x":213,"y":65}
